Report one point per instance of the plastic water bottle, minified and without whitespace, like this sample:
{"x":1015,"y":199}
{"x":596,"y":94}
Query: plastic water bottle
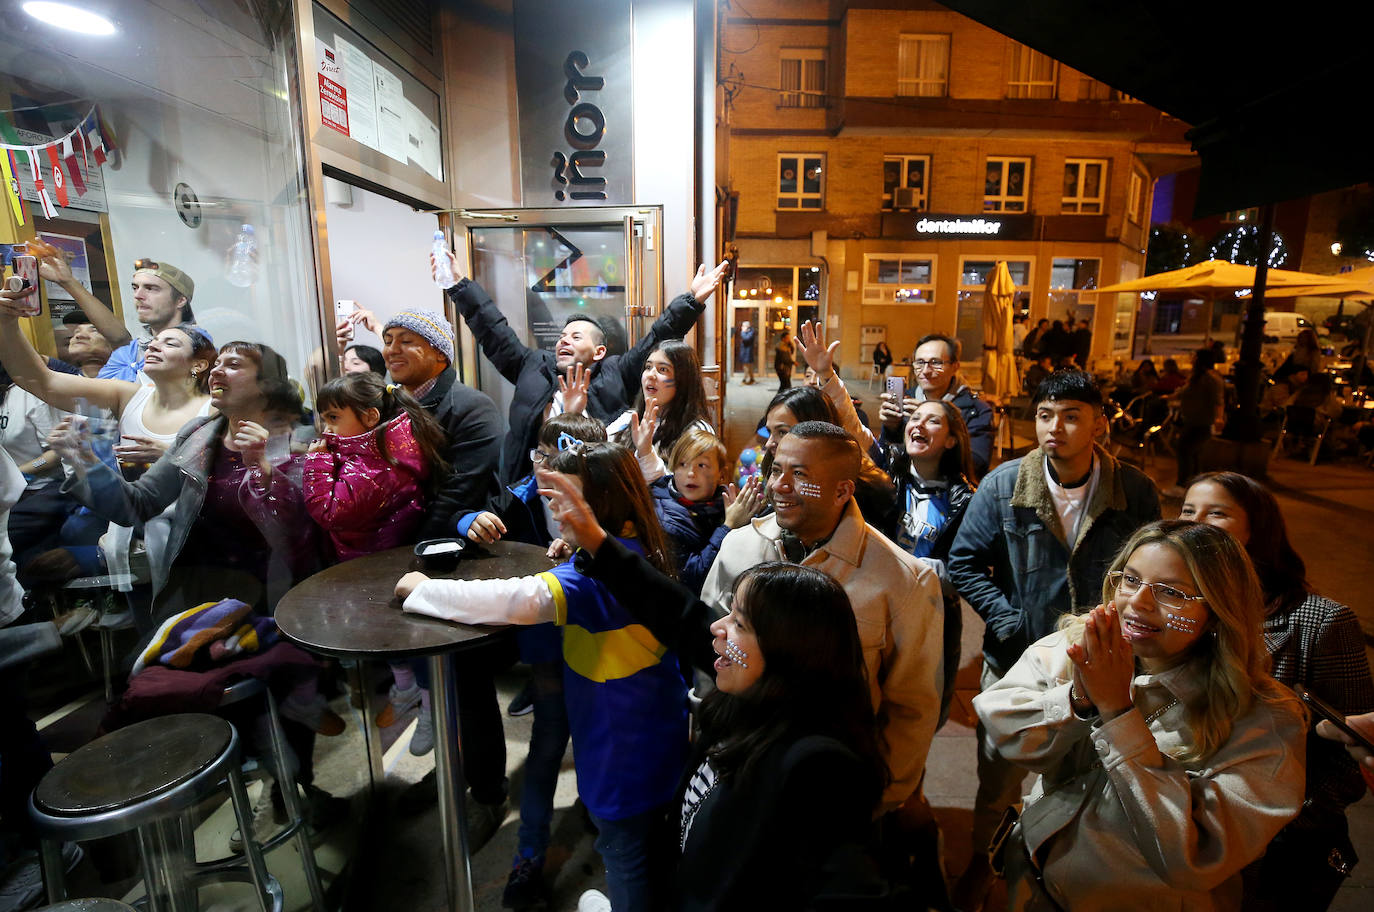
{"x":443,"y":272}
{"x":243,"y":258}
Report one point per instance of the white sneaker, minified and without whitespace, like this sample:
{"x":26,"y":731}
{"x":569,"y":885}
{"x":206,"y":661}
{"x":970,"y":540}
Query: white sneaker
{"x":593,"y":901}
{"x":422,"y":742}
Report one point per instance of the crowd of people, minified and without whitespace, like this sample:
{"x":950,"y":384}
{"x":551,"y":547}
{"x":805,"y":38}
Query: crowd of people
{"x":811,"y":612}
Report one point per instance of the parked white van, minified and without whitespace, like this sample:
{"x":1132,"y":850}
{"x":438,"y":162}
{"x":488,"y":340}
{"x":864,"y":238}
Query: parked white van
{"x":1284,"y":325}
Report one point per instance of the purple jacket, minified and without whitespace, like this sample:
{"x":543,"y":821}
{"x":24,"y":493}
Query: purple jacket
{"x":365,"y":503}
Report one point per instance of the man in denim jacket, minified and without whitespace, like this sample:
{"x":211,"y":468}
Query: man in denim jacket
{"x":1035,"y":543}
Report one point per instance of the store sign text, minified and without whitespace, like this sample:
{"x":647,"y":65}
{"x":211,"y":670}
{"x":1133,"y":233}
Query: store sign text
{"x":567,"y":169}
{"x":958,"y":226}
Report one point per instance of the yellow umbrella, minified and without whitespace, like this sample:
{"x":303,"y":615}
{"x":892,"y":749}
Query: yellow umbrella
{"x":1357,"y":285}
{"x":1000,"y":377}
{"x":1219,"y":276}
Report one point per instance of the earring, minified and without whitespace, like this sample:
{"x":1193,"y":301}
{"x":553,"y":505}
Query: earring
{"x":195,"y":374}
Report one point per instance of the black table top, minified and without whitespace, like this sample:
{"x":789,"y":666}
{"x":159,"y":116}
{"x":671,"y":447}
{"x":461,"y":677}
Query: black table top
{"x":350,"y":610}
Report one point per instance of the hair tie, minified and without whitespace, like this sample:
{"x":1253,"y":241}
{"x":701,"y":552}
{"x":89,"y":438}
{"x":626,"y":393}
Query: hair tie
{"x":391,"y":387}
{"x":569,"y":443}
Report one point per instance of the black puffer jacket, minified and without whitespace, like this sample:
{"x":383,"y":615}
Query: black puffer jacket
{"x":613,"y":385}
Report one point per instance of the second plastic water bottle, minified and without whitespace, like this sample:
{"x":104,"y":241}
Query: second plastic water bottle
{"x":443,"y":272}
{"x":243,"y":259}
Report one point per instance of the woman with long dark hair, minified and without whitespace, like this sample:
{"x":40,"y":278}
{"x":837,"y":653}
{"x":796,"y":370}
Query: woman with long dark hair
{"x":1314,"y":642}
{"x":787,"y":772}
{"x":671,"y":400}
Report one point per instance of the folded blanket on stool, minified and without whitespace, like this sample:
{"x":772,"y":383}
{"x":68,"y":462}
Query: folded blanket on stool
{"x":208,"y":634}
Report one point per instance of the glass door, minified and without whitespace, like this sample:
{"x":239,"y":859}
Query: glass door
{"x":542,"y":266}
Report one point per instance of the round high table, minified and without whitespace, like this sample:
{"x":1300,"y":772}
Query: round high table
{"x":350,"y":611}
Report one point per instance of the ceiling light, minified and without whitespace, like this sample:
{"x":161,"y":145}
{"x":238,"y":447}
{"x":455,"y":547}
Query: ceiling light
{"x":71,"y":18}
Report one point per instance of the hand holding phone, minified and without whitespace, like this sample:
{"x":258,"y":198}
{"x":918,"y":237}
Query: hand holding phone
{"x":26,"y":267}
{"x":1331,"y":714}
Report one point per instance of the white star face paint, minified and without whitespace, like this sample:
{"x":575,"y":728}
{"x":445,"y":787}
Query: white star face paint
{"x":736,"y":655}
{"x":808,"y":489}
{"x":1181,"y":624}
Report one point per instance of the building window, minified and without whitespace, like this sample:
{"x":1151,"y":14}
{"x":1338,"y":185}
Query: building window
{"x":1032,"y":74}
{"x":801,"y":180}
{"x":1135,"y":197}
{"x":1007,"y":188}
{"x":905,"y":178}
{"x":973,"y":281}
{"x":897,"y":279}
{"x":802,"y":79}
{"x":923,"y":65}
{"x":1242,"y":216}
{"x":1085,"y":185}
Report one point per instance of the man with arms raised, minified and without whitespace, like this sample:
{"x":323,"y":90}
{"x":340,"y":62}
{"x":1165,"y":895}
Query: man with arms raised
{"x":1035,"y":543}
{"x":540,"y":377}
{"x":895,"y":597}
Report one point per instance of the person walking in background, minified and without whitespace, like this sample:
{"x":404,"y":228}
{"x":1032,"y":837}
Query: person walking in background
{"x":1201,"y":411}
{"x":1082,"y":344}
{"x":1034,"y":544}
{"x":747,"y":349}
{"x":783,"y":359}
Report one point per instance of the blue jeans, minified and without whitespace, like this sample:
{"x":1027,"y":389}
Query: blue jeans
{"x":625,"y":847}
{"x":548,"y":743}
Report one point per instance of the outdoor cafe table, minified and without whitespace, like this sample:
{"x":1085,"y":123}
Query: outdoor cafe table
{"x":350,"y":611}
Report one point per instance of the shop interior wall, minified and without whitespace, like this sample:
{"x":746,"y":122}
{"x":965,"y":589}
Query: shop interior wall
{"x":240,"y":176}
{"x":379,"y":255}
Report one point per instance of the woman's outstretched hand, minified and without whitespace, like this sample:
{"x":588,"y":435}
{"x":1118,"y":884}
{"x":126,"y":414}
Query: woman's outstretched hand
{"x":704,"y":284}
{"x":571,"y":511}
{"x":1103,"y":663}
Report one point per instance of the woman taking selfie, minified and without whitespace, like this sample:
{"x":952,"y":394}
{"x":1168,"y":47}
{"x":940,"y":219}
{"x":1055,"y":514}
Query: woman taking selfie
{"x":1168,"y":757}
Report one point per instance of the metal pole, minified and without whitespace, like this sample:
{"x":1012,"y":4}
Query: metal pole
{"x":1244,"y":423}
{"x":448,"y":774}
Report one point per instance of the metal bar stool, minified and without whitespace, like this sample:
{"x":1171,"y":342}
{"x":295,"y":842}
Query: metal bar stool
{"x":145,"y":778}
{"x":284,"y":774}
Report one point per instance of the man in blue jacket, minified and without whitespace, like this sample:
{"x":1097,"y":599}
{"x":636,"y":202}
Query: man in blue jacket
{"x":935,"y":366}
{"x":1035,"y":543}
{"x":535,"y":372}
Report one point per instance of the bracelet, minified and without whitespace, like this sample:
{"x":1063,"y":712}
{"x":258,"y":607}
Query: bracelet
{"x":1077,"y":704}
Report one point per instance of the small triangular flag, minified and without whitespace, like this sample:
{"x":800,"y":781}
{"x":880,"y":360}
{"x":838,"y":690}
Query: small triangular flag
{"x":73,"y":166}
{"x":59,"y":180}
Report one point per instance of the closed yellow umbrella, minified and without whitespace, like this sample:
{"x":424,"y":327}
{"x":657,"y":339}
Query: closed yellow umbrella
{"x":1001,"y":380}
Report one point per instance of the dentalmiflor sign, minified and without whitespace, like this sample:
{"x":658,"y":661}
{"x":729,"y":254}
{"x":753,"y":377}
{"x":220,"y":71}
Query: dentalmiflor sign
{"x":991,"y":226}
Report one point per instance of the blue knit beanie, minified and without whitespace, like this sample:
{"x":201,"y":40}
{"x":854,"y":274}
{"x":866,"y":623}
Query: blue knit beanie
{"x":430,"y":325}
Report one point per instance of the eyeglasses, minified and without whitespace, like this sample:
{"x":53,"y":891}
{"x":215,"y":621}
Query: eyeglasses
{"x":1164,"y":596}
{"x":145,"y":263}
{"x":935,"y":365}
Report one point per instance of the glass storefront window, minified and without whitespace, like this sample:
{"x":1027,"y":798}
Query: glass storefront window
{"x":898,"y":279}
{"x":973,"y":279}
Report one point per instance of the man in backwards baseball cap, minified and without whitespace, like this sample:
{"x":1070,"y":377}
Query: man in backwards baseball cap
{"x":162,"y":298}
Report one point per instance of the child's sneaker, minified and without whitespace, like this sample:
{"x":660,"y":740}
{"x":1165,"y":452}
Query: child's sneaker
{"x":314,"y":715}
{"x":399,"y":702}
{"x":525,"y":889}
{"x":422,"y":742}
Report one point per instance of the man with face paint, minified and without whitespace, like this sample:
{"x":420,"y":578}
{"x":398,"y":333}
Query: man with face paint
{"x":896,"y":598}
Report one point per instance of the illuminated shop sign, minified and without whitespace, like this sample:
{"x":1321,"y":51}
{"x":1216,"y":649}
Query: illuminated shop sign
{"x":993,"y":226}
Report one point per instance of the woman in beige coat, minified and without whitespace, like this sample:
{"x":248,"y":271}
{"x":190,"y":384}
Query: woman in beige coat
{"x":1168,"y":758}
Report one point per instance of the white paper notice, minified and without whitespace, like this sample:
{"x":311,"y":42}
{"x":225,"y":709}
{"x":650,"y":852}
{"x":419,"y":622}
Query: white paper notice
{"x":423,"y":139}
{"x":391,"y":114}
{"x":362,"y":98}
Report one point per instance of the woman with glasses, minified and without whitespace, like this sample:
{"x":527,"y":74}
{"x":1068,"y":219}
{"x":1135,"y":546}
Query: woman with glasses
{"x":1168,"y":757}
{"x":1314,"y":642}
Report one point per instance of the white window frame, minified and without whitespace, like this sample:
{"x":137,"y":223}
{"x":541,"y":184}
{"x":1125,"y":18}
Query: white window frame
{"x":904,"y":160}
{"x":897,"y":293}
{"x":1135,"y":197}
{"x":998,"y":202}
{"x":800,"y":196}
{"x":1079,"y":204}
{"x":1021,"y":73}
{"x":912,"y":51}
{"x":805,"y":95}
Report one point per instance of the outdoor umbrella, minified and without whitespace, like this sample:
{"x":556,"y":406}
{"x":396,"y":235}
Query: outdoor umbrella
{"x":1000,"y":378}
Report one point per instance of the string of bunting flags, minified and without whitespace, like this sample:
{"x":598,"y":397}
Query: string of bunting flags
{"x":89,"y":139}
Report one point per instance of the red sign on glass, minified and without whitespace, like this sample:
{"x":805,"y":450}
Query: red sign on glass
{"x":333,"y":97}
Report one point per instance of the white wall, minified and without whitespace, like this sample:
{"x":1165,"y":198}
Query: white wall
{"x":379,"y":256}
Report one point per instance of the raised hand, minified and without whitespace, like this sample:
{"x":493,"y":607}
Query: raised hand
{"x":434,"y":266}
{"x":1103,"y":663}
{"x":571,"y":511}
{"x":642,"y":431}
{"x":17,"y":303}
{"x":742,"y":503}
{"x":574,"y":388}
{"x":811,"y":344}
{"x":704,"y":284}
{"x":250,"y":439}
{"x":55,"y":269}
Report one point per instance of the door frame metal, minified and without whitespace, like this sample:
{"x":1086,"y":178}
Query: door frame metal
{"x":647,"y":218}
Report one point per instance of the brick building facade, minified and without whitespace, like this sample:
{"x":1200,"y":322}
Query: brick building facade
{"x":881,"y":160}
